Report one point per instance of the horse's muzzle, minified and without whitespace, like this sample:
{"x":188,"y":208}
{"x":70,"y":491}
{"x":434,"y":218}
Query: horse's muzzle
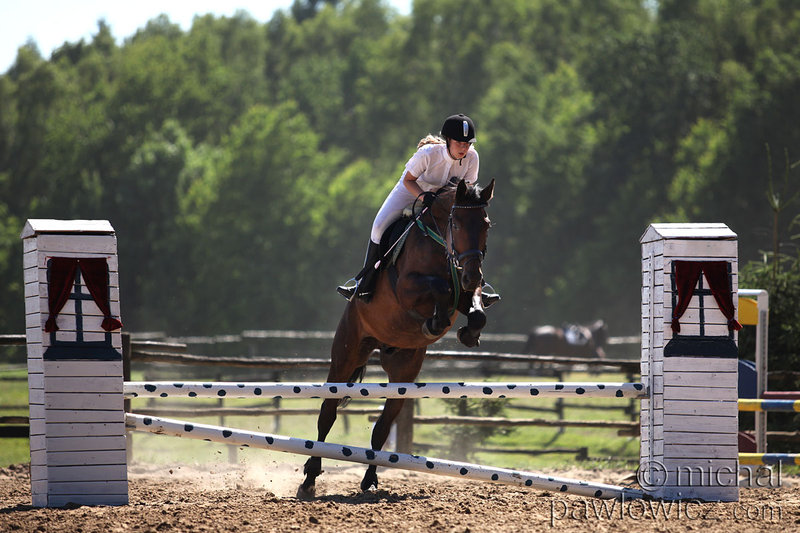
{"x":469,"y":266}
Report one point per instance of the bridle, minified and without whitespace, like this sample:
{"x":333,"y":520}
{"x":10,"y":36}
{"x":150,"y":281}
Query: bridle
{"x":454,"y":259}
{"x":453,"y":256}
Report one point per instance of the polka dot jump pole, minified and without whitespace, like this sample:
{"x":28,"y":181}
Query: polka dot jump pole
{"x":416,"y":463}
{"x":381,"y":390}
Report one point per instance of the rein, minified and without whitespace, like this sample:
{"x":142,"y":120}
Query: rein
{"x":453,"y":257}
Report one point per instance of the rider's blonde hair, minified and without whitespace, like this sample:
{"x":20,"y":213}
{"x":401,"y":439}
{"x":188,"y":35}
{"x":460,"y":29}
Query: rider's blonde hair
{"x":430,"y":139}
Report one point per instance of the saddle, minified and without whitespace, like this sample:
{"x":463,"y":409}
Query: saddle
{"x":392,"y":242}
{"x":575,"y":335}
{"x":397,"y":233}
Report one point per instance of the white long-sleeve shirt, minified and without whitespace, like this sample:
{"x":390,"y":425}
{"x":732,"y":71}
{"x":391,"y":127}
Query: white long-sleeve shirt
{"x":434,"y":168}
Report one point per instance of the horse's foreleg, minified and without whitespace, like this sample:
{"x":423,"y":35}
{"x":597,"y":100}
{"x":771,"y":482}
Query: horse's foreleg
{"x":436,"y":325}
{"x":469,"y":335}
{"x":428,"y":297}
{"x":401,"y":366}
{"x":380,"y":432}
{"x":313,"y":467}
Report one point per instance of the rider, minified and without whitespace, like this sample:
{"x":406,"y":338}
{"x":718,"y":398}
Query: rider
{"x":437,"y":162}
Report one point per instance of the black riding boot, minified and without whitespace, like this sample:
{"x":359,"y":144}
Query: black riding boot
{"x":365,"y":280}
{"x":488,"y":297}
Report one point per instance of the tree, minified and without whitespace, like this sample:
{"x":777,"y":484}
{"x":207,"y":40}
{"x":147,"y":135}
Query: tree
{"x":255,"y":232}
{"x":238,"y":157}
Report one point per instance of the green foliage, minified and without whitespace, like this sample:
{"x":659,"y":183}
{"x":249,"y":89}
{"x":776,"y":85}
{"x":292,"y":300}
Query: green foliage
{"x":241,"y":162}
{"x":784,"y":316}
{"x":784,"y":333}
{"x":464,"y":439}
{"x":10,"y":265}
{"x":779,"y":274}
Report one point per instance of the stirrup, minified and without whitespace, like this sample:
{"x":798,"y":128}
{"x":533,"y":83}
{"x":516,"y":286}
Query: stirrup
{"x":348,"y":291}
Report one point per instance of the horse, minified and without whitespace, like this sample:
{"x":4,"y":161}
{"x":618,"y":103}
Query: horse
{"x":437,"y":275}
{"x":573,"y":340}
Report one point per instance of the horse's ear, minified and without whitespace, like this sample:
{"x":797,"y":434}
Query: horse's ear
{"x":488,"y":192}
{"x":461,"y":190}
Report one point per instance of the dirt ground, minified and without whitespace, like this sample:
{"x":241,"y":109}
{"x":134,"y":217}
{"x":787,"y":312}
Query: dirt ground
{"x":261,"y":499}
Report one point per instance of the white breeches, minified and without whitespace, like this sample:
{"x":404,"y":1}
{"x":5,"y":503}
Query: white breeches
{"x":390,"y":211}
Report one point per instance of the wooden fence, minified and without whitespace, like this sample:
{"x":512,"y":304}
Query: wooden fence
{"x":173,"y":351}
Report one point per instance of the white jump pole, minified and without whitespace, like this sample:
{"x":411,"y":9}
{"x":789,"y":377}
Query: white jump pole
{"x":416,"y":463}
{"x":172,"y":389}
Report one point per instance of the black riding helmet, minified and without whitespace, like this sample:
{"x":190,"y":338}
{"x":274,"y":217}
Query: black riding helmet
{"x":459,"y":128}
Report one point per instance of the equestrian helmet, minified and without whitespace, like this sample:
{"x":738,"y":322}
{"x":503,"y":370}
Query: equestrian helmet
{"x":459,"y":128}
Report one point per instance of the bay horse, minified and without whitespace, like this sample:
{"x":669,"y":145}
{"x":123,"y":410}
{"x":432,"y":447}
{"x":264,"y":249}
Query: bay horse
{"x":572,"y":340}
{"x":438,"y":274}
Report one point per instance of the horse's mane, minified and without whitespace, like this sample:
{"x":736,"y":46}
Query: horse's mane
{"x":446,"y":197}
{"x":472,"y":197}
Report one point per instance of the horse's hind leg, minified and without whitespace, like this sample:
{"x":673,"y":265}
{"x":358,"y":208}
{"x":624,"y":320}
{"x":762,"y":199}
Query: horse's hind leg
{"x":346,"y":364}
{"x":402,"y":366}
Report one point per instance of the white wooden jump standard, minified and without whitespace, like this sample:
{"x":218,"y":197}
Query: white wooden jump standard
{"x":77,"y":419}
{"x":689,"y":423}
{"x":416,"y":463}
{"x":689,"y":413}
{"x":172,"y":389}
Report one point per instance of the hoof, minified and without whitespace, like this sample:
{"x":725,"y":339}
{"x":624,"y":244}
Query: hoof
{"x":306,"y":493}
{"x":370,"y":480}
{"x":467,"y":339}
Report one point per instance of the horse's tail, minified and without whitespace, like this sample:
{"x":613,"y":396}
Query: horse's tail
{"x":356,"y":377}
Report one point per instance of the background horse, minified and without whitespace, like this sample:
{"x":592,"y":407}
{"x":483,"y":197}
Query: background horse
{"x":438,"y":274}
{"x":573,"y":340}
